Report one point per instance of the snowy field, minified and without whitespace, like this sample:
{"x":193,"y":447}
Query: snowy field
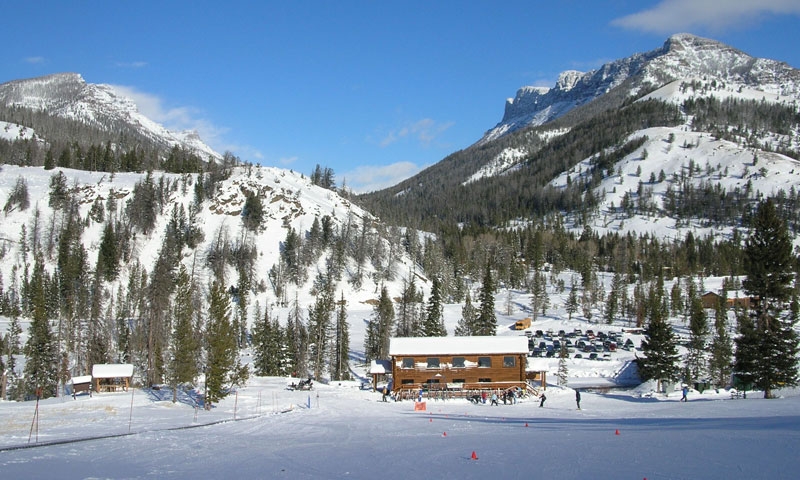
{"x":340,"y":431}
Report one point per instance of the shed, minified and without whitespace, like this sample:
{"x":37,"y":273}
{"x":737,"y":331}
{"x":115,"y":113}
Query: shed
{"x":110,"y":377}
{"x":378,"y":369}
{"x":459,"y":363}
{"x":82,"y":383}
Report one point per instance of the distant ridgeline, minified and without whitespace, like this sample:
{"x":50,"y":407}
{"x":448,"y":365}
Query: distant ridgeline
{"x":104,"y":148}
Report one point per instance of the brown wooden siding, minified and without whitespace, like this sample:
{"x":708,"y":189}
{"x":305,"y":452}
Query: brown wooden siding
{"x":470,"y":376}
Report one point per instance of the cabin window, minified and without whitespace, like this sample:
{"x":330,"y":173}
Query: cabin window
{"x":408,"y":381}
{"x":408,"y":363}
{"x":484,"y":362}
{"x":458,"y":362}
{"x":459,"y":380}
{"x":509,"y":361}
{"x":484,"y":380}
{"x":433,"y":362}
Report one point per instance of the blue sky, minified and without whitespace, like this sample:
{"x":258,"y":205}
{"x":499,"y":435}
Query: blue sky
{"x":374,"y":90}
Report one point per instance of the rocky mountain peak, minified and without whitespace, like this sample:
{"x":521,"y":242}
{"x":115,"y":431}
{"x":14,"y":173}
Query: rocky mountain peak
{"x":682,"y":56}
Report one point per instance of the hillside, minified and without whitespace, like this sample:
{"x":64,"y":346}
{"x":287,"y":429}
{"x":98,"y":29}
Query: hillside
{"x":581,"y":130}
{"x":59,"y":110}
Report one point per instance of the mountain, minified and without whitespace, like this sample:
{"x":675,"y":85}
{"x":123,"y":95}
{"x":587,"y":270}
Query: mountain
{"x":681,"y":56}
{"x":644,"y":144}
{"x":97,"y":108}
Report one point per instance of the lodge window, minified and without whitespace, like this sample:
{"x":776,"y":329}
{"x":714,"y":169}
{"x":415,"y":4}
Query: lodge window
{"x":408,"y":381}
{"x":484,"y":380}
{"x":459,"y":380}
{"x":484,"y":362}
{"x":433,"y":362}
{"x":408,"y":363}
{"x":458,"y":362}
{"x":509,"y":361}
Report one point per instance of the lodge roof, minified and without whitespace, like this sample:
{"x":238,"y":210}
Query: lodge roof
{"x":458,"y":345}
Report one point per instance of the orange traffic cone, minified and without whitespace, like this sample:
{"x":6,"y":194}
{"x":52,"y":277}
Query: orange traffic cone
{"x":444,"y":434}
{"x":526,"y":424}
{"x":430,"y":420}
{"x":616,"y":432}
{"x":474,"y":455}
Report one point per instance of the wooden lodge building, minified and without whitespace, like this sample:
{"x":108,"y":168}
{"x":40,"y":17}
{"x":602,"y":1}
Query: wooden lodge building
{"x":712,"y":299}
{"x":459,"y":363}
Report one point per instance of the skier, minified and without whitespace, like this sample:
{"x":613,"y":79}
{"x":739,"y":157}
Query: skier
{"x":541,"y":401}
{"x":385,"y":392}
{"x":494,"y":399}
{"x":685,"y":392}
{"x":578,"y":398}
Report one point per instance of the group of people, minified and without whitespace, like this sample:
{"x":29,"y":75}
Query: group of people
{"x":509,"y":397}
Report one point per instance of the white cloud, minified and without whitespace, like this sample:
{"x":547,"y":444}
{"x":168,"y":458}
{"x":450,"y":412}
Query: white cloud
{"x":34,"y":60}
{"x":673,"y":16}
{"x":370,"y":178}
{"x":131,"y":64}
{"x":425,"y":131}
{"x":176,"y":118}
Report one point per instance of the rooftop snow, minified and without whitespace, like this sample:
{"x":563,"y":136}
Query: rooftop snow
{"x":457,"y":345}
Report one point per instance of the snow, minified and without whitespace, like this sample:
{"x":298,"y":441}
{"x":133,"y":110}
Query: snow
{"x":12,"y":132}
{"x":112,"y":370}
{"x":340,"y":431}
{"x":458,"y":345}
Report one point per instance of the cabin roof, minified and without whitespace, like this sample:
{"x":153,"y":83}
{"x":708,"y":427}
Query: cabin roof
{"x":112,"y":370}
{"x":458,"y":345}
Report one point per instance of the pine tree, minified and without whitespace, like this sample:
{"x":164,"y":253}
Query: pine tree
{"x":297,"y":341}
{"x":264,"y":348}
{"x":184,"y":346}
{"x":434,"y":320}
{"x":406,"y":309}
{"x":563,"y":370}
{"x":768,"y":353}
{"x":661,"y":355}
{"x":340,"y":353}
{"x":721,"y":348}
{"x":486,"y":323}
{"x":379,"y":328}
{"x":220,"y":346}
{"x":319,"y":329}
{"x":698,"y":330}
{"x":41,"y":366}
{"x":571,"y":305}
{"x":466,"y":325}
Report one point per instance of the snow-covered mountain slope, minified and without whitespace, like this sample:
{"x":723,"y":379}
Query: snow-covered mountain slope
{"x":289,"y":201}
{"x":670,"y":159}
{"x":69,"y":96}
{"x":682,"y":56}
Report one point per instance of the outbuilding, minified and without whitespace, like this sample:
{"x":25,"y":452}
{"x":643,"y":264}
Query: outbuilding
{"x":109,"y":377}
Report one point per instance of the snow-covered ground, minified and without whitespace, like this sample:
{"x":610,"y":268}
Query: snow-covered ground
{"x":340,"y":431}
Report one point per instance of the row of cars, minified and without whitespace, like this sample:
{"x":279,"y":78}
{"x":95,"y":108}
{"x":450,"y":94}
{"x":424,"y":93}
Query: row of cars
{"x":577,"y":343}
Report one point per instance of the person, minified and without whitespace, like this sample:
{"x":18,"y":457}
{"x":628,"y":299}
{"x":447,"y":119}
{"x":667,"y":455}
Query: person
{"x":578,"y":398}
{"x":419,"y":398}
{"x":385,"y":392}
{"x":541,"y":400}
{"x":494,"y":399}
{"x":685,"y":392}
{"x":483,"y":397}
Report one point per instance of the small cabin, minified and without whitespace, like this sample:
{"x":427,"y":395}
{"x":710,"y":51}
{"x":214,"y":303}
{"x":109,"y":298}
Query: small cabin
{"x":80,"y":384}
{"x":711,"y":300}
{"x":110,"y":377}
{"x":459,"y":363}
